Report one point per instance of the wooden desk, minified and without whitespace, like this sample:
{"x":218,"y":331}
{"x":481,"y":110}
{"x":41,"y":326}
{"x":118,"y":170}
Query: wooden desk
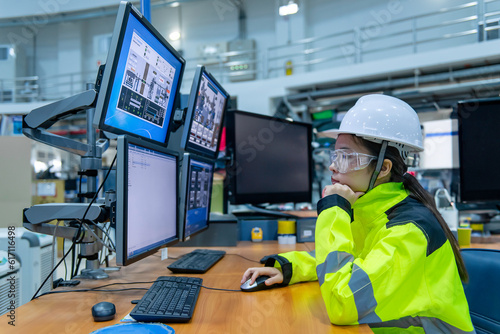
{"x":494,"y":245}
{"x":295,"y":309}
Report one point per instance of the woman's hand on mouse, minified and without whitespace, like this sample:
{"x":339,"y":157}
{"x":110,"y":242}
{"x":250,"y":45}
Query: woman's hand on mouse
{"x":342,"y":190}
{"x":275,"y":275}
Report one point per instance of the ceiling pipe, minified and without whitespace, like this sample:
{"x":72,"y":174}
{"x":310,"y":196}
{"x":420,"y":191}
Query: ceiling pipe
{"x":392,"y":84}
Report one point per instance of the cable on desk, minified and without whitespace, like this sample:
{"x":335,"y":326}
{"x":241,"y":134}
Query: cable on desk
{"x":206,"y":287}
{"x":246,"y":258}
{"x":78,"y":234}
{"x":88,"y":290}
{"x":309,"y":249}
{"x":98,"y":288}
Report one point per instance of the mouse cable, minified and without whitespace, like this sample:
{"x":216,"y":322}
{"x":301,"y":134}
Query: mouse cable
{"x":246,"y":258}
{"x":208,"y":288}
{"x":77,"y":234}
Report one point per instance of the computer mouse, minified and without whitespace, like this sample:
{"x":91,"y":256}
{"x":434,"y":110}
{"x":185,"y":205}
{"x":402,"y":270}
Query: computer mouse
{"x":103,"y":311}
{"x":258,"y":285}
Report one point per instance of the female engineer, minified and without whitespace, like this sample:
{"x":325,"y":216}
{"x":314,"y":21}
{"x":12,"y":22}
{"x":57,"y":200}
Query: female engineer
{"x":384,"y":255}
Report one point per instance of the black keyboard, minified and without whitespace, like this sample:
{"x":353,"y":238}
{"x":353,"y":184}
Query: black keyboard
{"x":196,"y":262}
{"x":169,"y":299}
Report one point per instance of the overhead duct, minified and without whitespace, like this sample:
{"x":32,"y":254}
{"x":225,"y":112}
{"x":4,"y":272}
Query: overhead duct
{"x":409,"y":87}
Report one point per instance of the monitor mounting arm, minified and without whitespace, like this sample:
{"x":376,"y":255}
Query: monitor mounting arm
{"x":36,"y":123}
{"x":37,"y":217}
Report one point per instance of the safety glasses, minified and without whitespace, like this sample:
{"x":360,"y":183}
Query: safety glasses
{"x":344,"y":161}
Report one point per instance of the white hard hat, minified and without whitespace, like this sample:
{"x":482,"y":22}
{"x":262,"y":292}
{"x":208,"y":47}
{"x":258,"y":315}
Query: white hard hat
{"x":378,"y":117}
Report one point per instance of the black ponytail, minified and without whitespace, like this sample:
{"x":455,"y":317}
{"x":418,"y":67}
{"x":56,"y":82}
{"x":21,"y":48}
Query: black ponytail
{"x":417,"y":191}
{"x":410,"y":183}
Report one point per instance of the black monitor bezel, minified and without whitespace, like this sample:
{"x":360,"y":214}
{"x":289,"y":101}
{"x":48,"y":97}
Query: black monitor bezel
{"x":468,"y":196}
{"x":121,"y":209}
{"x":124,"y":11}
{"x":185,"y":144}
{"x":232,"y":168}
{"x":184,"y":193}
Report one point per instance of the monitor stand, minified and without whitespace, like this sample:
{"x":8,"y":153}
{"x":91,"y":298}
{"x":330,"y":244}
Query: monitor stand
{"x":38,"y":217}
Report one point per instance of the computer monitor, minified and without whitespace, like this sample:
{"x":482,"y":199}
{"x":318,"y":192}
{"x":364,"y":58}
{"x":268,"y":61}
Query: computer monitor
{"x":206,"y":107}
{"x":196,"y":189}
{"x":478,"y":150}
{"x":146,"y":204}
{"x":271,"y":159}
{"x":141,"y":80}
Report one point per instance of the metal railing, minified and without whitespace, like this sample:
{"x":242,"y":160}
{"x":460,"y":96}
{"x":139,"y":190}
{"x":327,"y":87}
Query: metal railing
{"x":21,"y":89}
{"x":468,"y":23}
{"x":59,"y":86}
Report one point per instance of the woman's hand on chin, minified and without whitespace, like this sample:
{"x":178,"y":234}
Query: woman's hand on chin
{"x":342,"y":190}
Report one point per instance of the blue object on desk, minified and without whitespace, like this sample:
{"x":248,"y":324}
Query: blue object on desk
{"x":136,"y":328}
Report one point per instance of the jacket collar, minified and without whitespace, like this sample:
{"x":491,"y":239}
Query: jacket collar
{"x":377,"y":201}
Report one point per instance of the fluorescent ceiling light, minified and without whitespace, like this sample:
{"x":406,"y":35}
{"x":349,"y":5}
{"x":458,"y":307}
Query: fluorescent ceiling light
{"x":289,"y":9}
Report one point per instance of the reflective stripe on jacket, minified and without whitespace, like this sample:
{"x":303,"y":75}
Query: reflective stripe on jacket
{"x":386,"y":262}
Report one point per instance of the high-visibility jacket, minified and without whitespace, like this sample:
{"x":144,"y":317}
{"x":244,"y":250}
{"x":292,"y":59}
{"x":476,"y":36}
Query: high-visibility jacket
{"x":384,"y":262}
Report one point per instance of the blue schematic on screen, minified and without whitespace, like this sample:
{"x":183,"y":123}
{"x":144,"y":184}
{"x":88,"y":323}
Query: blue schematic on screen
{"x":144,"y":86}
{"x":207,"y":116}
{"x":198,"y":196}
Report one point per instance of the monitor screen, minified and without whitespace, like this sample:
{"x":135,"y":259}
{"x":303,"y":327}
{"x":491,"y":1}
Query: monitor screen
{"x":271,"y":159}
{"x":478,"y":150}
{"x":196,"y":185}
{"x":146,"y":206}
{"x":141,"y":80}
{"x":206,"y":107}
